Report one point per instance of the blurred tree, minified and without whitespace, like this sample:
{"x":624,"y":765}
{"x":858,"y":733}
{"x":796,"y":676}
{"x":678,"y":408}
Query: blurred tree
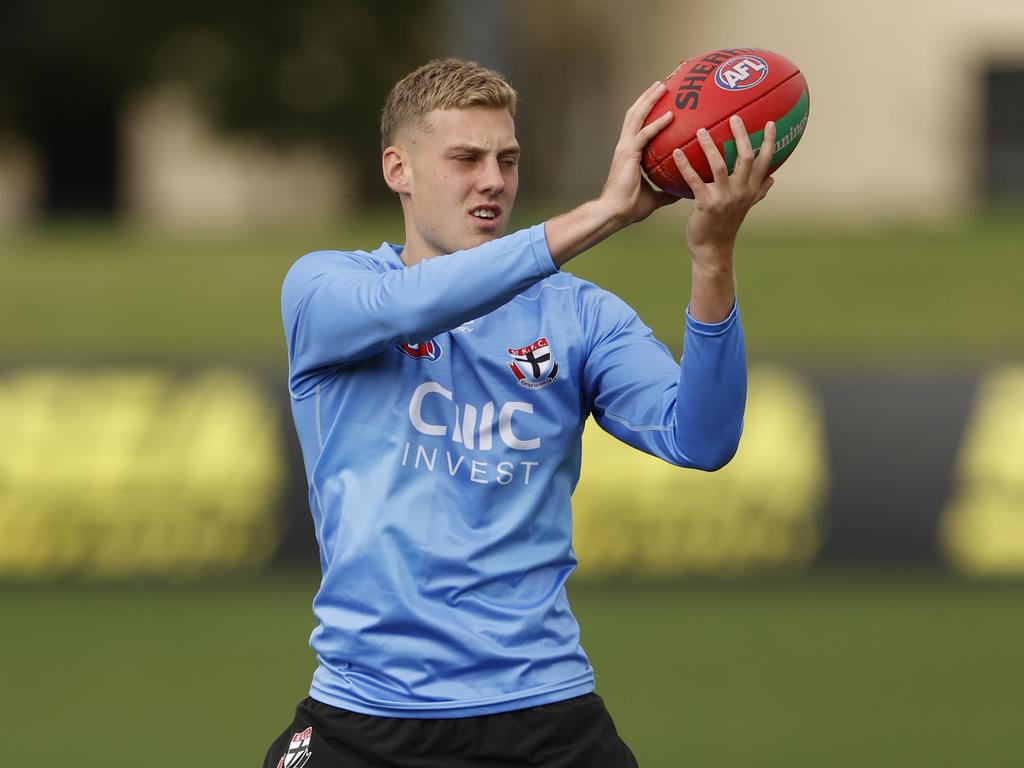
{"x":308,"y":69}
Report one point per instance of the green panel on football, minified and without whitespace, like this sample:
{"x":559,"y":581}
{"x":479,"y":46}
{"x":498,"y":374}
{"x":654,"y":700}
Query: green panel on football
{"x":789,"y":129}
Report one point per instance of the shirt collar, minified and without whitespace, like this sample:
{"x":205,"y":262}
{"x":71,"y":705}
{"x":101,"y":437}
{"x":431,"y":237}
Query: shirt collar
{"x":391,"y":254}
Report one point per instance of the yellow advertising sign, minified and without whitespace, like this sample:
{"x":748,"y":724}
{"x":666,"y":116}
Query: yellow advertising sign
{"x":982,"y":529}
{"x":637,"y":515}
{"x":124,"y":472}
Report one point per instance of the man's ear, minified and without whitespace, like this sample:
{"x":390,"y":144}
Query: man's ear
{"x":397,"y":172}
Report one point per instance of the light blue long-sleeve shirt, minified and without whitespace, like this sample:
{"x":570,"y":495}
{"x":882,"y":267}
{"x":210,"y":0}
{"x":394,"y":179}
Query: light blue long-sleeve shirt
{"x":440,"y":409}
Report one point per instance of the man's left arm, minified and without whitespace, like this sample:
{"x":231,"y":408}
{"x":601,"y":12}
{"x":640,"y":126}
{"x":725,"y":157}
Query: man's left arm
{"x":720,"y":206}
{"x":691,"y":414}
{"x":688,"y":413}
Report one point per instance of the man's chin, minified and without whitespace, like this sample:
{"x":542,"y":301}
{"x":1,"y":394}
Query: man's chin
{"x":479,"y":238}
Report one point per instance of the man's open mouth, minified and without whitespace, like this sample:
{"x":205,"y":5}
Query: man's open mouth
{"x":485,"y":212}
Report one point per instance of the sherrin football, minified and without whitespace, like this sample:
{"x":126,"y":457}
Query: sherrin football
{"x":705,"y":91}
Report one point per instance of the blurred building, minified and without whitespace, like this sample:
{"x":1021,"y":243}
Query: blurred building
{"x":177,"y":172}
{"x":19,"y":181}
{"x":917,"y":110}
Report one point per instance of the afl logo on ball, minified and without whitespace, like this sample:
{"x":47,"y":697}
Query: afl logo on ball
{"x":741,"y":72}
{"x":424,"y":350}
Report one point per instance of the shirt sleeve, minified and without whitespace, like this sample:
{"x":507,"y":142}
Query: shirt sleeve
{"x":338,"y":307}
{"x":689,"y":414}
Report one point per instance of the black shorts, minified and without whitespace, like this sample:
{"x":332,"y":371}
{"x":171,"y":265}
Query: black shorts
{"x":575,"y":733}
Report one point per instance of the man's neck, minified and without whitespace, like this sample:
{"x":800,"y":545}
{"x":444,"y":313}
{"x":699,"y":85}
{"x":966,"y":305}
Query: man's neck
{"x":412,"y":255}
{"x":416,"y":248}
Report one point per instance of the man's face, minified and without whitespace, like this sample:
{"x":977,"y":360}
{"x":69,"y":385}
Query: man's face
{"x":463,"y":181}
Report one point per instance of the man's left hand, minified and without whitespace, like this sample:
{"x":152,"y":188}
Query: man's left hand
{"x":720,"y":206}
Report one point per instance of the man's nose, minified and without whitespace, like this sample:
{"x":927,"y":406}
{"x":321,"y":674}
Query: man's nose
{"x":491,"y":179}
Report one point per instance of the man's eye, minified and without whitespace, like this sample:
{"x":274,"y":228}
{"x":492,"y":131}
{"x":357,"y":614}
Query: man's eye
{"x":465,"y":158}
{"x":510,"y":162}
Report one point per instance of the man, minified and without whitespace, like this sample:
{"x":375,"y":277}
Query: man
{"x":439,"y":391}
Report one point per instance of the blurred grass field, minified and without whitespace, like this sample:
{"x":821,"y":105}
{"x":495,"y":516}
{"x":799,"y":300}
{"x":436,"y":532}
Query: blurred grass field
{"x":891,"y":295}
{"x":840,"y":670}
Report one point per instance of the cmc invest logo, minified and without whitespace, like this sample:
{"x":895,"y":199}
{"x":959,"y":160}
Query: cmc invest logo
{"x":467,"y":425}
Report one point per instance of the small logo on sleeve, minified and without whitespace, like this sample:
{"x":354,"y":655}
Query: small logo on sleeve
{"x":424,"y":350}
{"x":298,"y":753}
{"x":532,"y":365}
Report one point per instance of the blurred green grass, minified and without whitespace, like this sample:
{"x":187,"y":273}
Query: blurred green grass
{"x":898,"y":294}
{"x":884,"y":669}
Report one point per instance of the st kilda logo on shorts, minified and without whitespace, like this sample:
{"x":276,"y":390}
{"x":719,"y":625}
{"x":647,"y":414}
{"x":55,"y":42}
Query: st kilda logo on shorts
{"x":298,"y":753}
{"x":533,"y":365}
{"x":424,"y":350}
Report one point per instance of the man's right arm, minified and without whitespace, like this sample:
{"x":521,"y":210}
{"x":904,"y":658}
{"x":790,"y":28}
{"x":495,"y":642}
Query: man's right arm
{"x":337,"y":309}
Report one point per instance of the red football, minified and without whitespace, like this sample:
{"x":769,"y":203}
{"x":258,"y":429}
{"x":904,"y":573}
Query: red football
{"x":706,"y":90}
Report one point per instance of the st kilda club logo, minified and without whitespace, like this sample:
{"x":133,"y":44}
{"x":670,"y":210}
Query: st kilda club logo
{"x":298,"y":753}
{"x":533,"y":365}
{"x":424,"y":350}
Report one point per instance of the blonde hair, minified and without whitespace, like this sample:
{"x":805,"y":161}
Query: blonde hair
{"x":442,"y":84}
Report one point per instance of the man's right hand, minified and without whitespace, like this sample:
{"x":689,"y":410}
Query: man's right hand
{"x":626,"y":195}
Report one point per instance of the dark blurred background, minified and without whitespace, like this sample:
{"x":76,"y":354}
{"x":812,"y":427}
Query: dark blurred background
{"x":848,"y":591}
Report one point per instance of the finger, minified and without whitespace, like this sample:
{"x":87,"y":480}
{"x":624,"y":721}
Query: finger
{"x":718,"y":168}
{"x":651,"y":130}
{"x":665,"y":198}
{"x":658,"y":198}
{"x":767,"y":184}
{"x":765,"y":154}
{"x":641,"y":108}
{"x":690,"y":176}
{"x":645,"y":100}
{"x":744,"y":150}
{"x":636,"y":114}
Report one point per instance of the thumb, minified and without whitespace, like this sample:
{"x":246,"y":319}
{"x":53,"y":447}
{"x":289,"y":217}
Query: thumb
{"x":767,"y":184}
{"x":665,"y":198}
